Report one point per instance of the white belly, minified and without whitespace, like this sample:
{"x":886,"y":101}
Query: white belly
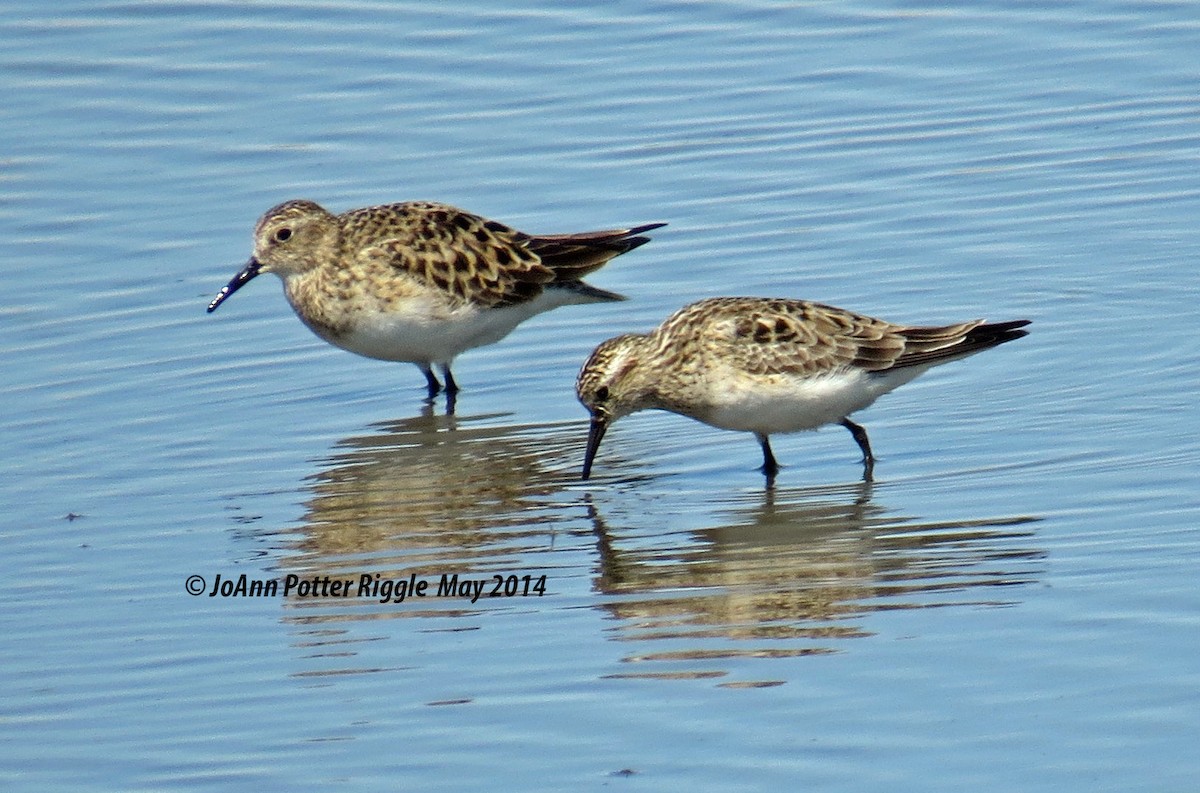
{"x":784,"y":403}
{"x":418,"y":334}
{"x":420,"y":339}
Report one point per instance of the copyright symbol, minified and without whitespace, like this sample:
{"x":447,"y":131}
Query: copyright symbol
{"x":194,"y":585}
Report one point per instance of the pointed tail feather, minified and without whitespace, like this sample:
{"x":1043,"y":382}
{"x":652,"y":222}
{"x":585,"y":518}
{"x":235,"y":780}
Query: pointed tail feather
{"x":573,"y":256}
{"x":609,"y":238}
{"x":936,"y":345}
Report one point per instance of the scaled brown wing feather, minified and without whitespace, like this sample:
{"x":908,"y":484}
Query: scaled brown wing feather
{"x":804,"y":338}
{"x":477,"y":260}
{"x":800,"y":337}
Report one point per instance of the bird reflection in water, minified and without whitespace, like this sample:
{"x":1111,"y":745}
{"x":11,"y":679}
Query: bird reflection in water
{"x":436,"y":488}
{"x":778,"y":573}
{"x":794,"y":572}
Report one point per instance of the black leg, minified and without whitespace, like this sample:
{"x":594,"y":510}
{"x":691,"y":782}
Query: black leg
{"x":451,"y":386}
{"x":769,"y":467}
{"x":860,"y":437}
{"x":431,"y":382}
{"x":451,"y":389}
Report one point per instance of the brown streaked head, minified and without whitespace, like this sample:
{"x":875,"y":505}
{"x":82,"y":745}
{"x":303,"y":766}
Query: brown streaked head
{"x":290,"y":238}
{"x":607,"y":386}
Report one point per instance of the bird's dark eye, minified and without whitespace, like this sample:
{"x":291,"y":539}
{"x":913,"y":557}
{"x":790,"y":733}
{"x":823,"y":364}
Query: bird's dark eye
{"x":283,"y":235}
{"x":602,"y":394}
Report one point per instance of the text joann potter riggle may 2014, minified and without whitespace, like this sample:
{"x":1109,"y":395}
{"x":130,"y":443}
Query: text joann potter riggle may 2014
{"x":373,"y":586}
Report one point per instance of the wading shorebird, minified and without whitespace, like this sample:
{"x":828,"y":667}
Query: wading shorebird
{"x":422,"y":282}
{"x":765,"y":366}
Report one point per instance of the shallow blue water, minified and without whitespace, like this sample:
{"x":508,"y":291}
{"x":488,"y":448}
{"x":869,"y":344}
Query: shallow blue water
{"x":1012,"y":604}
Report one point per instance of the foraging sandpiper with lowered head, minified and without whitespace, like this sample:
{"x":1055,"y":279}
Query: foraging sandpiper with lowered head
{"x":766,"y":365}
{"x":420,"y":281}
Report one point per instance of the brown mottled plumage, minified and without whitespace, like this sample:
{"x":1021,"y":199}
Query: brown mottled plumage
{"x":766,"y":365}
{"x":421,"y":281}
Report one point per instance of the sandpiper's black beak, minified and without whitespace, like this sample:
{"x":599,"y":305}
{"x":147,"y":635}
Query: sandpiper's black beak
{"x":595,"y":435}
{"x":237,"y":282}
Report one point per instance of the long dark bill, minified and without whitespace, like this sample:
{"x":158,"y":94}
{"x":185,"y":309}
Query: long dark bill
{"x":237,"y":282}
{"x":595,"y":435}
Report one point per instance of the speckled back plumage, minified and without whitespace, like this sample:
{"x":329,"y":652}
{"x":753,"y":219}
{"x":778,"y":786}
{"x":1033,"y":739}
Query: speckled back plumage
{"x":765,"y":336}
{"x":474,"y":259}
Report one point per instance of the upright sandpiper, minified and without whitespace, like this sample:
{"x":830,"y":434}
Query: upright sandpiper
{"x":766,"y":365}
{"x":420,"y":281}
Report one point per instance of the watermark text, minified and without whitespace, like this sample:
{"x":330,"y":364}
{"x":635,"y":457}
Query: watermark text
{"x":372,"y":586}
